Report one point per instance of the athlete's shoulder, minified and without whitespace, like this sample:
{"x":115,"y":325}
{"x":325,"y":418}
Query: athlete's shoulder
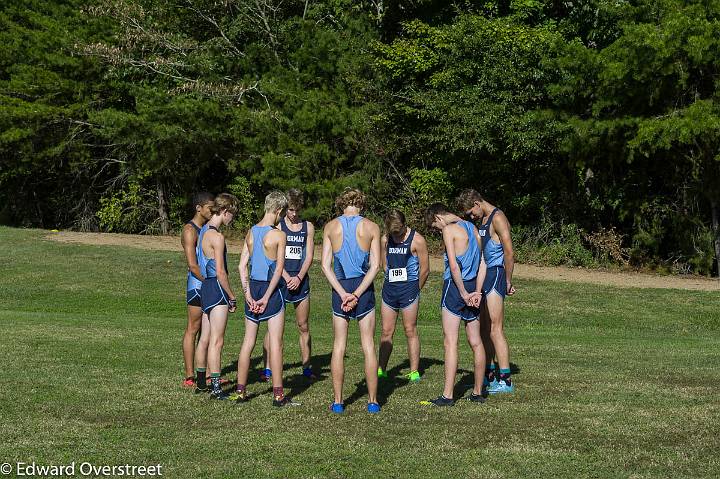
{"x":370,"y":226}
{"x":332,"y":225}
{"x":189,"y":234}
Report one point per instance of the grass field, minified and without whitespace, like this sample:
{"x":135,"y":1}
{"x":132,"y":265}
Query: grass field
{"x":612,"y":382}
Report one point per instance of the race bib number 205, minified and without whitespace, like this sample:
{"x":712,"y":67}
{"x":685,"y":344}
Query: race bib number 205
{"x":293,"y":252}
{"x":397,"y":275}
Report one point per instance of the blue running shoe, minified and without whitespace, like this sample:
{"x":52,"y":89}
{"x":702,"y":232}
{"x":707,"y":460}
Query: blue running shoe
{"x":265,"y":375}
{"x":489,"y":384}
{"x":373,"y":408}
{"x":501,"y":387}
{"x":337,"y":408}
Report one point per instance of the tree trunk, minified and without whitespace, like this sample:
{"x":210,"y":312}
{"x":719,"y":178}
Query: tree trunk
{"x":716,"y":232}
{"x":162,"y":208}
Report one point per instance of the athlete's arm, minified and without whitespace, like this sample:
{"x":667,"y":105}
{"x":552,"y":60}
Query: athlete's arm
{"x":419,"y":247}
{"x":326,"y":261}
{"x":243,"y":267}
{"x":189,"y":243}
{"x":383,"y":252}
{"x":309,"y":251}
{"x":502,"y":228}
{"x":218,"y":244}
{"x":374,"y":258}
{"x":280,"y":242}
{"x":455,"y":273}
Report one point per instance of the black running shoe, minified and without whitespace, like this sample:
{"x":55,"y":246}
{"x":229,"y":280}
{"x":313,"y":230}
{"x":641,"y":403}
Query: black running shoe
{"x":478,"y":398}
{"x":219,"y":394}
{"x":439,"y":401}
{"x":202,"y":390}
{"x":285,"y":401}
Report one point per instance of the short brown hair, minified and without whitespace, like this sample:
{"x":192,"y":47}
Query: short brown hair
{"x":467,"y":199}
{"x":225,"y":201}
{"x":275,"y":200}
{"x":350,"y":197}
{"x":433,"y":210}
{"x":295,"y":199}
{"x":395,"y":222}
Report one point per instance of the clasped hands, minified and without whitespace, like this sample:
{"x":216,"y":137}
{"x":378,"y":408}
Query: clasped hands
{"x":349,"y":301}
{"x":256,"y":306}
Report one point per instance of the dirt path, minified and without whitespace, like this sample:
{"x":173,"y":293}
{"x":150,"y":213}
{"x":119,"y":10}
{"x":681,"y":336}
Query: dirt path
{"x":522,"y":271}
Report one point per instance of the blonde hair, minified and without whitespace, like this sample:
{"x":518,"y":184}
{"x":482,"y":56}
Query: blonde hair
{"x":225,"y":201}
{"x":395,"y":222}
{"x":275,"y":200}
{"x":467,"y":199}
{"x":350,"y":197}
{"x":295,"y":199}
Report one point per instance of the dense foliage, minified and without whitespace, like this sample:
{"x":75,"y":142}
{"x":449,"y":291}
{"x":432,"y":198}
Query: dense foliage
{"x":595,"y":124}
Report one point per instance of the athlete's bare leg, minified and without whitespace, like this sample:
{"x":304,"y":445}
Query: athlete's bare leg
{"x":246,"y":349}
{"x":496,"y":311}
{"x":218,"y":321}
{"x":451,"y":325}
{"x":388,"y":317}
{"x":337,"y":361}
{"x":276,"y":327}
{"x":194,"y":320}
{"x":367,"y":340}
{"x":201,"y":350}
{"x":472,"y":331}
{"x":302,"y":316}
{"x":409,"y":316}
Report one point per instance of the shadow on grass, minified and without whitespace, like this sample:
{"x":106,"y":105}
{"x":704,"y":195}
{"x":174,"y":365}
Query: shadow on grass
{"x":386,"y":387}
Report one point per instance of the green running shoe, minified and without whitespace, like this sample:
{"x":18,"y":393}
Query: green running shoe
{"x":382,"y":374}
{"x":413,"y":377}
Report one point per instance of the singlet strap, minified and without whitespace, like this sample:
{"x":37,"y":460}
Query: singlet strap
{"x":211,"y":227}
{"x":192,"y":223}
{"x":490,"y":218}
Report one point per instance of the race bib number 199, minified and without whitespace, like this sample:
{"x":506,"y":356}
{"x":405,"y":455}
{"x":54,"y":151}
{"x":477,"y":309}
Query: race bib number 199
{"x":397,"y":275}
{"x":293,"y":252}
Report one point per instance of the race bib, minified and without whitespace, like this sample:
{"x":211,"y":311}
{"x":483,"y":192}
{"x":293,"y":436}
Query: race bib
{"x":293,"y":252}
{"x":397,"y":275}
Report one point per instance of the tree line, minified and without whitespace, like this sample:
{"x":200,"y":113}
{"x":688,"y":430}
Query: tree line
{"x":594,"y":124}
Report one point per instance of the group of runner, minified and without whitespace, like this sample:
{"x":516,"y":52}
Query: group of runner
{"x":276,"y":256}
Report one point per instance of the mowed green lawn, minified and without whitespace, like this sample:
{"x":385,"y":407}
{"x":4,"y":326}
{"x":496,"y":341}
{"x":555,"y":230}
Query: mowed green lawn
{"x":611,"y":382}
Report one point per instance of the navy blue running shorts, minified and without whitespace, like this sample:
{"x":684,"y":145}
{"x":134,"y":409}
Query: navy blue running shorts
{"x":454,"y":304}
{"x":366,"y":301}
{"x":400,"y":295}
{"x":296,"y":295}
{"x":193,"y":298}
{"x":495,"y":281}
{"x":275,"y":305}
{"x":212,"y":294}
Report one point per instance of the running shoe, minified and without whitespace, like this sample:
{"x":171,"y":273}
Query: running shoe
{"x":440,"y":401}
{"x":189,"y":382}
{"x":204,"y":390}
{"x":309,"y":374}
{"x":219,"y":394}
{"x":373,"y":408}
{"x":337,"y":408}
{"x":284,"y":402}
{"x":413,"y":377}
{"x":477,"y":398}
{"x":382,"y":374}
{"x":501,"y":387}
{"x":265,"y":375}
{"x":239,"y":397}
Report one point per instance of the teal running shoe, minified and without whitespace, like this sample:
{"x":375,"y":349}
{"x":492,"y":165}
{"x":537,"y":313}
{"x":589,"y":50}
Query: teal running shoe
{"x":501,"y":387}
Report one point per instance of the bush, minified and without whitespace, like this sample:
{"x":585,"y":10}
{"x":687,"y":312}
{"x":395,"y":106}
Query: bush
{"x":552,"y":244}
